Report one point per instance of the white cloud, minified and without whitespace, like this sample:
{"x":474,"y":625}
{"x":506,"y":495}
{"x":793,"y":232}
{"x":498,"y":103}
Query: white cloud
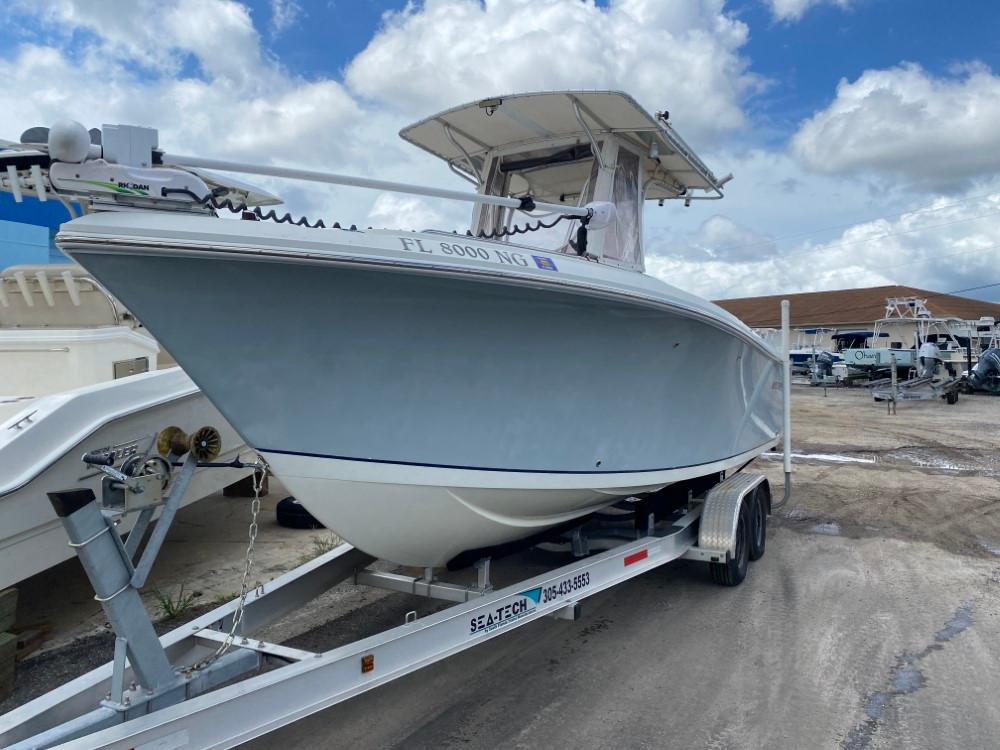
{"x":717,"y":238}
{"x":395,"y":211}
{"x":294,"y":120}
{"x":670,"y":54}
{"x":905,"y":123}
{"x":206,"y":81}
{"x":197,"y":71}
{"x":284,"y":15}
{"x":946,"y":245}
{"x":235,"y":102}
{"x":793,"y":10}
{"x":158,"y":35}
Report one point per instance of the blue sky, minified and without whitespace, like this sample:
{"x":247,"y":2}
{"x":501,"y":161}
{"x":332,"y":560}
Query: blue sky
{"x":803,"y":60}
{"x":861,"y":132}
{"x":806,"y":59}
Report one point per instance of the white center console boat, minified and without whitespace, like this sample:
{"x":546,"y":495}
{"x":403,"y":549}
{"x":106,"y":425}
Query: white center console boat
{"x":906,"y":325}
{"x":430,"y":395}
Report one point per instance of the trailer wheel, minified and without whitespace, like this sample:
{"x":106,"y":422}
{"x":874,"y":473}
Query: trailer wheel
{"x":951,"y":397}
{"x":290,"y":514}
{"x":758,"y":522}
{"x":734,"y":569}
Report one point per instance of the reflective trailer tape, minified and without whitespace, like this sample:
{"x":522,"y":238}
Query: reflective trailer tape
{"x":636,"y":557}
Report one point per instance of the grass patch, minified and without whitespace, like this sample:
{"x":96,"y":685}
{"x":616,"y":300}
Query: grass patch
{"x":175,"y":606}
{"x":319,"y":546}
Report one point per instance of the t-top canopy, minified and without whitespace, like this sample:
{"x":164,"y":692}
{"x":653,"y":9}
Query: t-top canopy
{"x":463,"y":135}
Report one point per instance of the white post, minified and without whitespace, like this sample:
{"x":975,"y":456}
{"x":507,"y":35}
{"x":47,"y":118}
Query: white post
{"x":894,"y":380}
{"x":787,"y":385}
{"x":786,"y":398}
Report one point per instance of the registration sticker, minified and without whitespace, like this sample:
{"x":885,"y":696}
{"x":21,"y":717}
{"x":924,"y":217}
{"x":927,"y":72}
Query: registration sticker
{"x":476,"y":251}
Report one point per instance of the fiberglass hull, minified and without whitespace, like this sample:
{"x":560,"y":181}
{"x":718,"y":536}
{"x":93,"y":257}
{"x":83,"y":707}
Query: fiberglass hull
{"x":421,"y":404}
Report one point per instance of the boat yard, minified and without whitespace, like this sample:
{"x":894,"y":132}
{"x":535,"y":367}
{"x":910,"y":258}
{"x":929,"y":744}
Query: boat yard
{"x":471,"y":506}
{"x":397,"y":375}
{"x":874,"y":612}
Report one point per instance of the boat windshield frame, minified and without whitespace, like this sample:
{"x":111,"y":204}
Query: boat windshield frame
{"x":621,"y":244}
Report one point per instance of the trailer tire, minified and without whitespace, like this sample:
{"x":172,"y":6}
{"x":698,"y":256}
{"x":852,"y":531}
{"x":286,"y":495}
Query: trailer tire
{"x":951,"y":397}
{"x":290,"y":514}
{"x":759,"y":502}
{"x":734,"y":569}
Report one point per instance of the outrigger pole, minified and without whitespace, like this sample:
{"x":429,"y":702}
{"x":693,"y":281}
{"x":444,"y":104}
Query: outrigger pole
{"x":523,"y":204}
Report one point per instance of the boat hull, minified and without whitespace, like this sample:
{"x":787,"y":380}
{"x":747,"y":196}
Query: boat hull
{"x":420,"y":411}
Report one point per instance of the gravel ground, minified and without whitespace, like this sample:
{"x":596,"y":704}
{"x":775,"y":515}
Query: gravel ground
{"x":872,"y":622}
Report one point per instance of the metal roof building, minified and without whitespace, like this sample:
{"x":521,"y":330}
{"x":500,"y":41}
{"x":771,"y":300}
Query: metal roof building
{"x":850,"y":308}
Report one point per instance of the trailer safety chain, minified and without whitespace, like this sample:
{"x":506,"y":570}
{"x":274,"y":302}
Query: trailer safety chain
{"x":260,"y":472}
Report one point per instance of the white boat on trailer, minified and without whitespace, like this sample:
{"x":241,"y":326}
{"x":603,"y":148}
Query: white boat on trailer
{"x":473,"y":390}
{"x":906,"y":325}
{"x":204,"y":684}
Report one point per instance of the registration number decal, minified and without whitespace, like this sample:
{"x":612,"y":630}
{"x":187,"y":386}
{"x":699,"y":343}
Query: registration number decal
{"x":476,"y":252}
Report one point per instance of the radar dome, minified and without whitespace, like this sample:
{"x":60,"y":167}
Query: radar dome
{"x":68,"y":141}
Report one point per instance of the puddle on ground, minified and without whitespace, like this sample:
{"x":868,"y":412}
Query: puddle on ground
{"x":957,"y":461}
{"x":989,"y":545}
{"x":908,"y":679}
{"x":830,"y":458}
{"x":960,"y":622}
{"x":830,"y":529}
{"x":905,"y":678}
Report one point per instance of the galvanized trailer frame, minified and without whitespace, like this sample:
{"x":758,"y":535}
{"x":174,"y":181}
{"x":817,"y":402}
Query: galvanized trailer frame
{"x":916,"y":389}
{"x":308,"y":681}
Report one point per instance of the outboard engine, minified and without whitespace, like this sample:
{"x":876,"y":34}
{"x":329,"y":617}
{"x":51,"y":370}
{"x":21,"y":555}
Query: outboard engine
{"x":930,"y":358}
{"x":985,"y":376}
{"x":824,"y":364}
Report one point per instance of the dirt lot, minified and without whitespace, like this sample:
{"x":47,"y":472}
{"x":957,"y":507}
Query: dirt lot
{"x":928,"y":473}
{"x":872,"y":622}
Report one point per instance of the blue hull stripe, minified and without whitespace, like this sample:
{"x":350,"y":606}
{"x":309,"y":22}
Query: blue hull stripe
{"x":487,"y":468}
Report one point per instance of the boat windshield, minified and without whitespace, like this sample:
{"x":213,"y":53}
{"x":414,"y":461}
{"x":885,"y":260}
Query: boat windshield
{"x":568,"y":174}
{"x":562,"y":174}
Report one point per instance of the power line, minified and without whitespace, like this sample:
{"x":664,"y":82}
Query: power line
{"x":968,"y":289}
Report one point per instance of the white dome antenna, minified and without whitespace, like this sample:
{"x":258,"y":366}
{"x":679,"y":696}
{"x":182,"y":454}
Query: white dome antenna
{"x":69,"y":141}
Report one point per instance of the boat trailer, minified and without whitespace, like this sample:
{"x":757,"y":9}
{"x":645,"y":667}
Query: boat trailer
{"x":215,"y":683}
{"x":164,"y":692}
{"x":915,"y":389}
